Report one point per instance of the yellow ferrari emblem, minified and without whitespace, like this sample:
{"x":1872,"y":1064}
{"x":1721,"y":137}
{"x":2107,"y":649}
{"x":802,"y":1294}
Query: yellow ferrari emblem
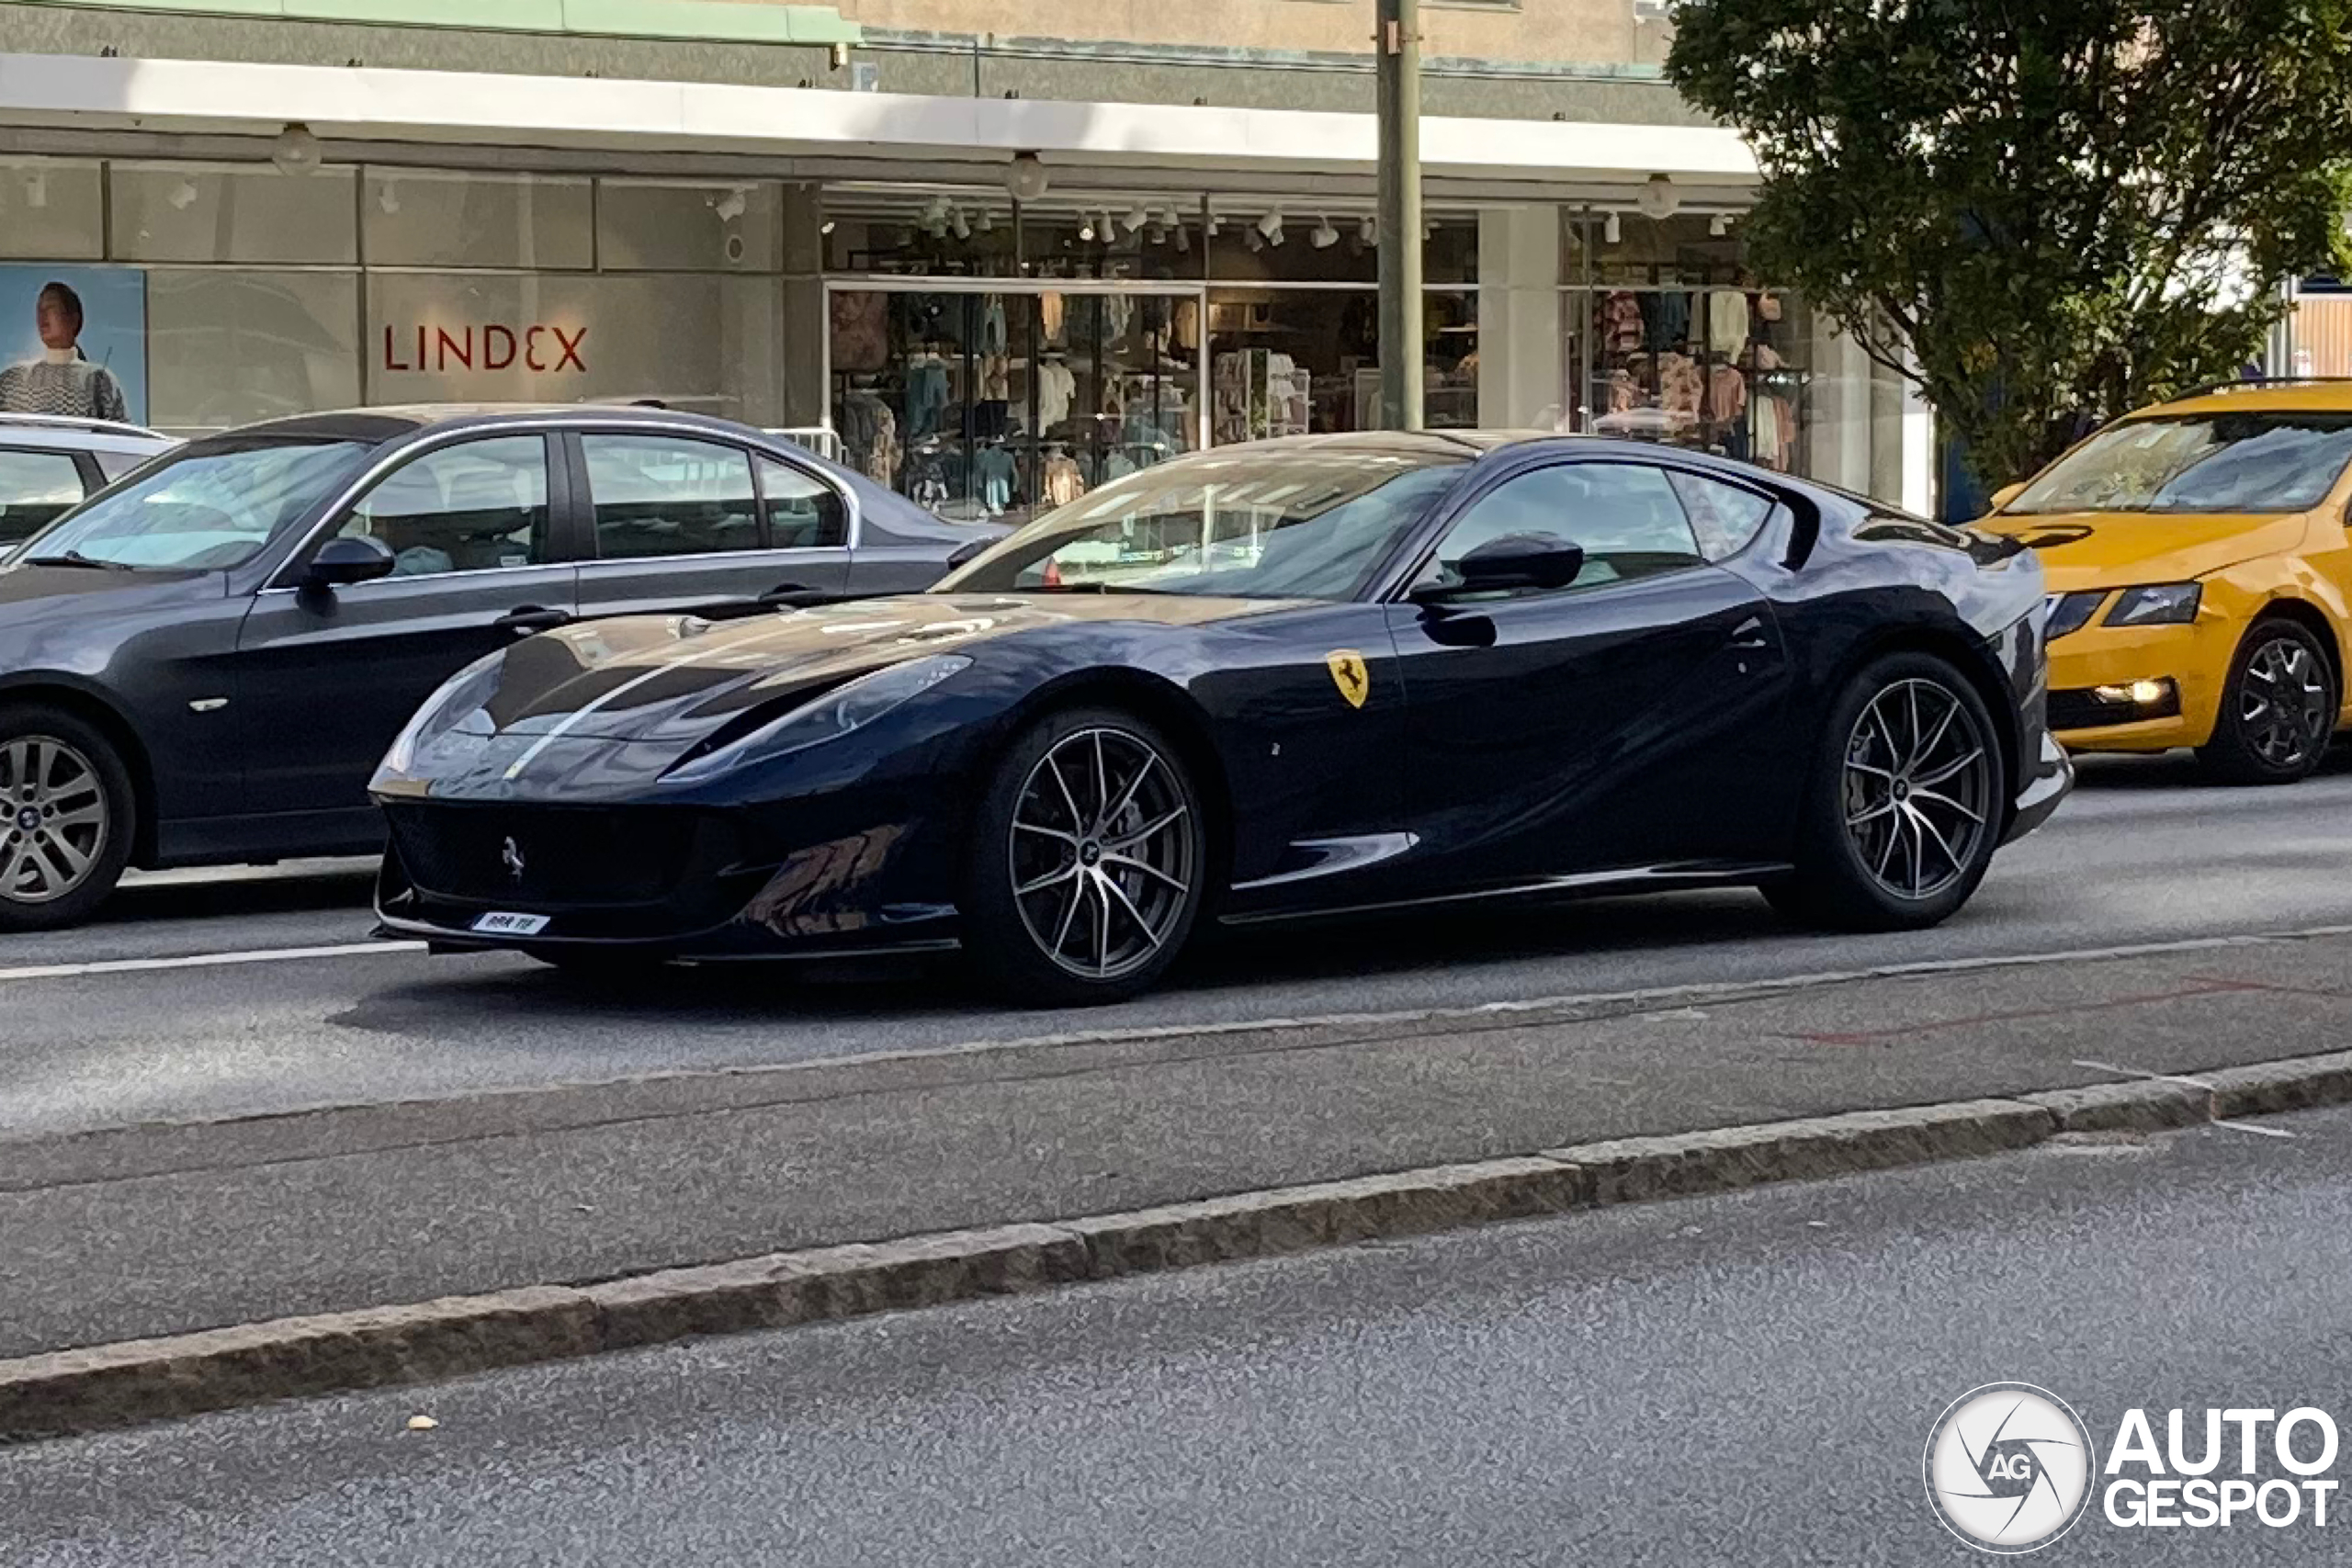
{"x":1349,"y":675}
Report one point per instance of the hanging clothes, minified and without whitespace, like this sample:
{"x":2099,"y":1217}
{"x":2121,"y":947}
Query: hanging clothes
{"x":1049,"y":317}
{"x":861,"y":330}
{"x":1727,"y":323}
{"x":926,"y":395}
{"x":1666,"y":322}
{"x":1619,"y":323}
{"x":1064,"y":483}
{"x":993,"y":479}
{"x":1056,"y":389}
{"x":994,"y":339}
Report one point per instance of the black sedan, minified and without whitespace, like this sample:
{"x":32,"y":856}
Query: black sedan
{"x":1305,"y":677}
{"x":204,"y":662}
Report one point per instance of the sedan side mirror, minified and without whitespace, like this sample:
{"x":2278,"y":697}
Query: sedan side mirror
{"x":1514,"y":562}
{"x":352,"y":558}
{"x":2007,"y":494}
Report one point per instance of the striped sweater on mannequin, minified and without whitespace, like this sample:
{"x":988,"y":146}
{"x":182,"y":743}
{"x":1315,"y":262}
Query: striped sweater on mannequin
{"x":61,"y":382}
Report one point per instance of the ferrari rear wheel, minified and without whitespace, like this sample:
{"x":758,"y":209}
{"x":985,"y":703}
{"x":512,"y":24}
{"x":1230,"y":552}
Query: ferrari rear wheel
{"x":1905,"y":806}
{"x":2277,"y":710}
{"x":1088,"y":862}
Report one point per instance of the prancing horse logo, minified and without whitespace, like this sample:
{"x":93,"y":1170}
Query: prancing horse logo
{"x":1348,"y":673}
{"x":513,"y":857}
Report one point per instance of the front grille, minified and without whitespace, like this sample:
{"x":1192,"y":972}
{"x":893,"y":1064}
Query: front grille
{"x":569,"y":855}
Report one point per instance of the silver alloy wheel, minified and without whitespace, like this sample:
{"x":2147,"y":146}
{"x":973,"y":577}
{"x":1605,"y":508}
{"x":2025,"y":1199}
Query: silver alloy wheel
{"x":1917,"y":788}
{"x":52,"y":818}
{"x":1101,"y":853}
{"x":2282,"y":704}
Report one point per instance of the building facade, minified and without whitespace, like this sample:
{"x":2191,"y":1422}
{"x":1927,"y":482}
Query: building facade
{"x":995,"y":268}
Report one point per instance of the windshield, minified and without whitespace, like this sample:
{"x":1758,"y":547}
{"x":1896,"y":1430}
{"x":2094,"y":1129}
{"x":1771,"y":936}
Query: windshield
{"x":1297,"y":525}
{"x":201,"y":508}
{"x":2230,"y":462}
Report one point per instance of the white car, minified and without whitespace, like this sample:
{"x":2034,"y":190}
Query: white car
{"x":48,"y":464}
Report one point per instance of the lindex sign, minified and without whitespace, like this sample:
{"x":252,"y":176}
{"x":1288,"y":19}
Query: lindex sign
{"x":691,"y":339}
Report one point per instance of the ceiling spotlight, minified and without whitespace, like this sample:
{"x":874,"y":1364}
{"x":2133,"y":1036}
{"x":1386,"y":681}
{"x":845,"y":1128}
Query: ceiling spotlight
{"x":1271,"y":226}
{"x":1658,"y":198}
{"x":37,"y":188}
{"x":1721,"y":225}
{"x":961,"y":224}
{"x":1256,"y":241}
{"x":827,"y":227}
{"x":1212,"y":226}
{"x":1183,"y":240}
{"x":1324,"y":236}
{"x":1429,"y":228}
{"x":936,"y":211}
{"x":1612,"y":230}
{"x":388,"y":198}
{"x":1368,"y":231}
{"x":1086,"y":228}
{"x":731,"y":206}
{"x":1136,"y":217}
{"x":183,"y":195}
{"x":296,"y":150}
{"x":1026,"y":177}
{"x":1155,"y":235}
{"x":985,"y":223}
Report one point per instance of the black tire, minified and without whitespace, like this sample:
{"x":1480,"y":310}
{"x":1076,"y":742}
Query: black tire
{"x":67,"y":817}
{"x":1139,"y":892}
{"x":1903,"y":805}
{"x":2256,"y":741}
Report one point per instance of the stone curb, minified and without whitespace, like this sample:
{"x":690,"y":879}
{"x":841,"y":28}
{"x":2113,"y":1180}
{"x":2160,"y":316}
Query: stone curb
{"x":67,"y":1391}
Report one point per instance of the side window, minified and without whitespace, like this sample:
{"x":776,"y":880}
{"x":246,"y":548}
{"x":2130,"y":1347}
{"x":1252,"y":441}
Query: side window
{"x":804,"y":512}
{"x":34,"y":488}
{"x":665,"y":495}
{"x":475,"y":506}
{"x":1725,"y":517}
{"x":1623,"y":515}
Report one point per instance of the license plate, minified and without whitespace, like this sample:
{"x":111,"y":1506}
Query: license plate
{"x":498,"y":922}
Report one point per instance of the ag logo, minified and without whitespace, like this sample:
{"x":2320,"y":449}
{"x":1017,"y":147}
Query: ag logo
{"x":1348,"y":673}
{"x":2008,"y":1468}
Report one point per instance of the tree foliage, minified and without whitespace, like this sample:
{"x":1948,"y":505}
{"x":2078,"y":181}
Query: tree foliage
{"x":2037,"y":210}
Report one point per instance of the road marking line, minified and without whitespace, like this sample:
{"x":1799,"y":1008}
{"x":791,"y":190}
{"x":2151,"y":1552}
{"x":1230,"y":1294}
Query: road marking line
{"x":2192,"y":1083}
{"x":205,"y":960}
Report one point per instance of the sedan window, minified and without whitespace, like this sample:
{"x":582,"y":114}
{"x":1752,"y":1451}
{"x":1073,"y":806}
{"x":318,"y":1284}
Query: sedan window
{"x":803,"y":512}
{"x":475,"y":506}
{"x":659,"y":495}
{"x":209,"y":504}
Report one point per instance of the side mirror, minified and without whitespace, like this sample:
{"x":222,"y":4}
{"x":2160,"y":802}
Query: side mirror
{"x":972,"y":551}
{"x":1516,"y":561}
{"x":355,"y":558}
{"x":2007,"y":494}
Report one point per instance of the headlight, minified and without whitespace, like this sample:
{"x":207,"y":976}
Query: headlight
{"x":2169,"y":605}
{"x":2071,"y":612}
{"x":845,"y":707}
{"x":460,"y":705}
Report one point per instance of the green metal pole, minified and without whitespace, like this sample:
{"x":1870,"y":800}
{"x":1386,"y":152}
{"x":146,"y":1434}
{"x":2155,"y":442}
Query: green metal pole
{"x":1399,"y":44}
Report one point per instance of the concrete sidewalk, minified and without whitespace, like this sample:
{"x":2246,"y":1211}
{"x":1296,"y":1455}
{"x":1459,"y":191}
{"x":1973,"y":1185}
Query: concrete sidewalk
{"x":160,"y":1230}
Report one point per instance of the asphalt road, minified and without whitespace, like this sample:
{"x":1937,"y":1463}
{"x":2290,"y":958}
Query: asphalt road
{"x":2144,"y":853}
{"x":1748,"y":1379}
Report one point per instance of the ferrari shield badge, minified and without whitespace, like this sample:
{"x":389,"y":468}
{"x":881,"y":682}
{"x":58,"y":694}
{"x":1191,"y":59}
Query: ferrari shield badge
{"x":1349,"y":675}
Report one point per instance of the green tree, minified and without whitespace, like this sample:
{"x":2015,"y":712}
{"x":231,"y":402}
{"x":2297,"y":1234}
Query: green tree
{"x":2037,"y":210}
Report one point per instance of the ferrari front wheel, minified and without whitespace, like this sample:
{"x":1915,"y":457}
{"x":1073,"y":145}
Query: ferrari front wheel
{"x":1088,"y":862}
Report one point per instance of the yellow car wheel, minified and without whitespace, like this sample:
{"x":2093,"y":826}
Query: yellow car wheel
{"x":2277,"y":710}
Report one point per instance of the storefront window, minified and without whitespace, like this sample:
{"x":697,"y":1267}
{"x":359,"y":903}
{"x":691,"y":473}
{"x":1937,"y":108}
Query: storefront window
{"x":1002,"y":405}
{"x":1124,"y":238}
{"x":898,"y":231}
{"x":1675,"y":341}
{"x":228,"y":347}
{"x":688,"y":226}
{"x":436,"y":218}
{"x":233,"y":212}
{"x":51,"y":208}
{"x":1300,"y":362}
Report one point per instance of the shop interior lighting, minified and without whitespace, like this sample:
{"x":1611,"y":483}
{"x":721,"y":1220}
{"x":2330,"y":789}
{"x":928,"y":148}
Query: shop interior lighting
{"x":1025,"y":178}
{"x":1612,"y":230}
{"x":1213,"y":225}
{"x":827,"y":226}
{"x":730,"y":206}
{"x":1085,"y":228}
{"x":1659,"y":200}
{"x":183,"y":195}
{"x":1136,"y":217}
{"x":1183,"y":240}
{"x":1368,"y":231}
{"x":296,"y":150}
{"x":1269,"y":226}
{"x":1324,"y":236}
{"x":986,"y":223}
{"x":1256,"y":241}
{"x":961,"y":224}
{"x":1721,"y":225}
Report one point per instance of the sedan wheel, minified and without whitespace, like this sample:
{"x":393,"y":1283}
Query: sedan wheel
{"x":2278,"y":712}
{"x":64,"y":820}
{"x":1905,"y":805}
{"x":1088,"y":885}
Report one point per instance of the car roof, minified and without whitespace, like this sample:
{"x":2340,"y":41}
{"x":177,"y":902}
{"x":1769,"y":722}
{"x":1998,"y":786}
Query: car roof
{"x":392,"y":419}
{"x":2308,"y":394}
{"x":96,"y":434}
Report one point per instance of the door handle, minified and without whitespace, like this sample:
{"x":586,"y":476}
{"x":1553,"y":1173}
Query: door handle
{"x":1749,"y":634}
{"x":793,"y":596}
{"x":527,"y":618}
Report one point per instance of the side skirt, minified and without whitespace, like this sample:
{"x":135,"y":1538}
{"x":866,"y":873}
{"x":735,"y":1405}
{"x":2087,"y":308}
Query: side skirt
{"x":1629,"y":879}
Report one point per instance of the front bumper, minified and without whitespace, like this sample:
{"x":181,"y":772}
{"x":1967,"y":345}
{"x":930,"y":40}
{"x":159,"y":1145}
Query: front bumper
{"x":2048,"y":783}
{"x":2195,"y":658}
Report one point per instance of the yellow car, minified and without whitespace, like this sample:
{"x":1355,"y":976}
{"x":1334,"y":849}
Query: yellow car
{"x":2201,"y":577}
